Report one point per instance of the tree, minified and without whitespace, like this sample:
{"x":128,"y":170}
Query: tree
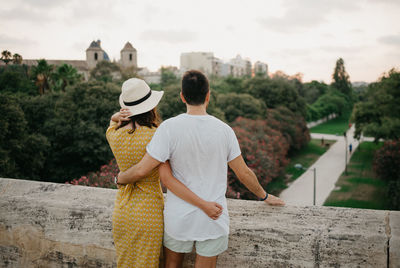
{"x":15,"y":79}
{"x":63,"y":76}
{"x":275,"y":92}
{"x":41,"y":75}
{"x":386,"y":166}
{"x":106,"y":71}
{"x":168,"y":77}
{"x":341,"y":80}
{"x":234,"y":105}
{"x":313,"y":90}
{"x":74,"y":123}
{"x":379,"y":115}
{"x":17,"y":59}
{"x":22,"y":152}
{"x":6,"y":56}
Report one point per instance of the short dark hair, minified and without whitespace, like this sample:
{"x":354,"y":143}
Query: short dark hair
{"x":194,"y":87}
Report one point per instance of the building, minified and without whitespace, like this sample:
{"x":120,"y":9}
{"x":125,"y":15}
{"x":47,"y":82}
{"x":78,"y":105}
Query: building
{"x":128,"y":56}
{"x":260,"y":68}
{"x":94,"y":54}
{"x":202,"y":61}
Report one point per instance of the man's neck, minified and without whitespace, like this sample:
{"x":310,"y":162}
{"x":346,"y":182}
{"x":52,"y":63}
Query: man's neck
{"x":196,"y":110}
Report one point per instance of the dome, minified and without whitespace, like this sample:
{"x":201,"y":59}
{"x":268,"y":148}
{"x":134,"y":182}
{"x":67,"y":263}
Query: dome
{"x":105,"y":56}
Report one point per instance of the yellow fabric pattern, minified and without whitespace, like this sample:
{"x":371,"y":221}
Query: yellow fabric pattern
{"x":138,"y":212}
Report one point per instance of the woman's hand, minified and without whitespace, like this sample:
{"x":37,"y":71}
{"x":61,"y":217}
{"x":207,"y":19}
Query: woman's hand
{"x":212,"y":209}
{"x":124,"y":114}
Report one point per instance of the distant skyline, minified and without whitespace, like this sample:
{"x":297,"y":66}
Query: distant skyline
{"x":306,"y":36}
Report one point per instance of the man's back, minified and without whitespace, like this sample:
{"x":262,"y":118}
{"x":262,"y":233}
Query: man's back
{"x":198,"y":147}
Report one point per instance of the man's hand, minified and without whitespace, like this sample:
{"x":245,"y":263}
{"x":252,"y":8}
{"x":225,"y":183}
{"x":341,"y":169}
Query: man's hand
{"x":272,"y":200}
{"x":212,"y":209}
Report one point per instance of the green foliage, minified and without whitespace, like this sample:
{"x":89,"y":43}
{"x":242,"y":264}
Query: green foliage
{"x":41,"y":75}
{"x":63,"y":76}
{"x":227,"y":85}
{"x":168,"y":77}
{"x":22,"y":152}
{"x":106,"y":71}
{"x":278,"y":91}
{"x":331,"y":102}
{"x":234,"y":105}
{"x":6,"y":56}
{"x":74,"y":124}
{"x":313,"y":90}
{"x":379,"y":115}
{"x":15,"y":79}
{"x":341,"y":79}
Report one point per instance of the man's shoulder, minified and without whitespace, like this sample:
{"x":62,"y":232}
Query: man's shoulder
{"x":171,"y":121}
{"x":219,"y":123}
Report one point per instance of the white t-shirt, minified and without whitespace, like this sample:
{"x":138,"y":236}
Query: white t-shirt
{"x":199,"y":148}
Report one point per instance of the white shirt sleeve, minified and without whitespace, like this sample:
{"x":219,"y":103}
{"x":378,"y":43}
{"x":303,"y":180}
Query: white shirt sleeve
{"x":233,"y":146}
{"x":158,"y":147}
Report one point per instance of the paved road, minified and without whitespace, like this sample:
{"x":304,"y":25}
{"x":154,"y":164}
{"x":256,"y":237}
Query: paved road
{"x":329,"y":167}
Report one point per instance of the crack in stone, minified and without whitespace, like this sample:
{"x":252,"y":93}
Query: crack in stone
{"x":388,"y":235}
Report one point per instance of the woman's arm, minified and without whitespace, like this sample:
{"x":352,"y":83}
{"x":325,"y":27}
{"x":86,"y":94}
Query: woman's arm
{"x":122,"y":115}
{"x":212,"y":209}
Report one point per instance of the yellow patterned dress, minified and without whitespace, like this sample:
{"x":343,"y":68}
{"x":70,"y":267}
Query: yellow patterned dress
{"x":138,"y":212}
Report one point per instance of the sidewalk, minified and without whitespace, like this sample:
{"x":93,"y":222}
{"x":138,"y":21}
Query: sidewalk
{"x":329,"y":167}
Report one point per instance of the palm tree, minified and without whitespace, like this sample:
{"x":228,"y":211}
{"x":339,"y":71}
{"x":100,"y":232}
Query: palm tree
{"x":64,"y":76}
{"x":17,"y":59}
{"x":6,"y":56}
{"x":41,"y":74}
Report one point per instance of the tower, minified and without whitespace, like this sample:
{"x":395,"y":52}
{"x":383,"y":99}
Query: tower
{"x":128,"y":56}
{"x":94,"y":54}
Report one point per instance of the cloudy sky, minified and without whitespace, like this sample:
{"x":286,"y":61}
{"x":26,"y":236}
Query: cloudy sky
{"x":305,"y":36}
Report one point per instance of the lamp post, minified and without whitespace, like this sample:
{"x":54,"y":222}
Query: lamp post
{"x":300,"y":166}
{"x":345,"y":163}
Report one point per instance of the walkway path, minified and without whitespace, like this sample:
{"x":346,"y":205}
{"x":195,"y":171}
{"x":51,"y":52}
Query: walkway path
{"x":329,"y":167}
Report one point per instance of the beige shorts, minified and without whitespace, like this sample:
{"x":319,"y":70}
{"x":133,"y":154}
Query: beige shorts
{"x":206,"y":248}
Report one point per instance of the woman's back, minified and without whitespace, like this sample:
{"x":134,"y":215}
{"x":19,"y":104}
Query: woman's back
{"x":138,"y":206}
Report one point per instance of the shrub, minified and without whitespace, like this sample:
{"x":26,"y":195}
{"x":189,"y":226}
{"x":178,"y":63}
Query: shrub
{"x":387,"y":161}
{"x":103,"y":178}
{"x":386,"y":166}
{"x":264,"y":149}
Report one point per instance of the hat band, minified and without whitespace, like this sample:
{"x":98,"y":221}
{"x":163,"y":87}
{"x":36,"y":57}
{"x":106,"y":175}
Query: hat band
{"x":133,"y":103}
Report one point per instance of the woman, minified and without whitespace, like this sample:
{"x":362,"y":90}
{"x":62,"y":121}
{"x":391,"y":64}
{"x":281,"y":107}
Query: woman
{"x":137,"y":216}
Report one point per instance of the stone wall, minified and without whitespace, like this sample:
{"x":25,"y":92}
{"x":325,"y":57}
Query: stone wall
{"x":57,"y":225}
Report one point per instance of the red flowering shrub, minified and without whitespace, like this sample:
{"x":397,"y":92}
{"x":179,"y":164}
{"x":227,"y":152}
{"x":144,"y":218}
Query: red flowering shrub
{"x":387,"y":161}
{"x":264,"y":149}
{"x":292,"y":126}
{"x":386,"y":167}
{"x":103,"y":178}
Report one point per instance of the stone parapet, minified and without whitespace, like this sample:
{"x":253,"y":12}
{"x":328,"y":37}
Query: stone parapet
{"x":58,"y":225}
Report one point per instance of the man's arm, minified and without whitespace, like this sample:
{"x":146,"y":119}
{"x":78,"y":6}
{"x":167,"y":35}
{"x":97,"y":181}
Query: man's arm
{"x":138,"y":171}
{"x":249,"y":179}
{"x":212,"y":209}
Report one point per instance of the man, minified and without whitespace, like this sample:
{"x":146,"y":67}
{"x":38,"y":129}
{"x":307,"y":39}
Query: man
{"x":199,"y":147}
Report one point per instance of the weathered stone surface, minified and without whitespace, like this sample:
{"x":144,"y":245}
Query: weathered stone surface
{"x":57,"y":225}
{"x":394,"y":242}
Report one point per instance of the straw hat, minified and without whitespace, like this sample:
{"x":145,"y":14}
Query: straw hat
{"x":138,"y":97}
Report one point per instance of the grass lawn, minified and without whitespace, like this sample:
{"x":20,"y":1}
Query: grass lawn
{"x":335,"y":126}
{"x":306,"y":157}
{"x":359,"y":188}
